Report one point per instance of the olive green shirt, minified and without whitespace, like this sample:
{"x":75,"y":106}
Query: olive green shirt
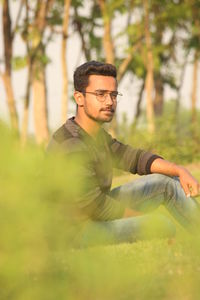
{"x":101,"y":154}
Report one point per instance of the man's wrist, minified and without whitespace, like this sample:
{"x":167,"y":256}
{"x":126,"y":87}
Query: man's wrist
{"x":180,"y":170}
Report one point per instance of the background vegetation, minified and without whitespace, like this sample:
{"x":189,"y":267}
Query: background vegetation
{"x":154,"y":44}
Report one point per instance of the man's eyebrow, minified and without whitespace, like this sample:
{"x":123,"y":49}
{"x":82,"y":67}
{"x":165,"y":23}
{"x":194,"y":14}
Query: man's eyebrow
{"x":115,"y":91}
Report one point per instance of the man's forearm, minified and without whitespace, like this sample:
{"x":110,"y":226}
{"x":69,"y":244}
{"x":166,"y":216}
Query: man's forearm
{"x":165,"y":167}
{"x":190,"y":185}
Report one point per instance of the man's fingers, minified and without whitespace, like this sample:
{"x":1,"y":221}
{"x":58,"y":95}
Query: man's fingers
{"x":195,"y":190}
{"x":189,"y":190}
{"x":190,"y":186}
{"x":186,"y":190}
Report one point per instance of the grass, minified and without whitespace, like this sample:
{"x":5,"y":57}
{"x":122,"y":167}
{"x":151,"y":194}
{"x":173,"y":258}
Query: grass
{"x":36,"y":261}
{"x":144,"y":270}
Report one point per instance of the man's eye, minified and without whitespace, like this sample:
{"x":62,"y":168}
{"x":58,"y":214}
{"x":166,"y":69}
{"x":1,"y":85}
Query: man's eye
{"x":100,"y":94}
{"x":114,"y":95}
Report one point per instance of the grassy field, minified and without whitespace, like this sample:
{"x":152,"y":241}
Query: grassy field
{"x":36,"y":261}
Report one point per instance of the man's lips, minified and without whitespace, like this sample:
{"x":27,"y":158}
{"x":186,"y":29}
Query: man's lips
{"x":110,"y":110}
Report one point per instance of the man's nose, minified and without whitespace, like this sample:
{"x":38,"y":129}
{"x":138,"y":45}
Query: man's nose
{"x":108,"y":98}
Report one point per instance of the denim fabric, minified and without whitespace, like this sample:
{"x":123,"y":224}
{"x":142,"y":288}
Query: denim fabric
{"x":145,"y":195}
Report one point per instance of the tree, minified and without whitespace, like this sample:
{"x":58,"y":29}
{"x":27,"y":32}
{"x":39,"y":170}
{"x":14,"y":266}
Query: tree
{"x":108,"y":49}
{"x":107,"y":38}
{"x":195,"y":44}
{"x":29,"y":62}
{"x":41,"y":14}
{"x":63,"y":58}
{"x":149,"y":81}
{"x":8,"y":38}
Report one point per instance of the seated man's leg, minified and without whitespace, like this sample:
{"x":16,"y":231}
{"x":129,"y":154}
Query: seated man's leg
{"x":126,"y":230}
{"x":149,"y":192}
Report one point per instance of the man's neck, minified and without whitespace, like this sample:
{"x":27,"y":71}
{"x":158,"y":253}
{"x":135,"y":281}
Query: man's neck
{"x":89,"y":125}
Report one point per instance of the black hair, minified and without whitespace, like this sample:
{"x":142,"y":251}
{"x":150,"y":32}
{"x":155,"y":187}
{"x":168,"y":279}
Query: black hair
{"x":82,"y":73}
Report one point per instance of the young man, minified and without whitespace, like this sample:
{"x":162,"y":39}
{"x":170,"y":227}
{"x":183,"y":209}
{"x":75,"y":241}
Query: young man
{"x":96,"y":94}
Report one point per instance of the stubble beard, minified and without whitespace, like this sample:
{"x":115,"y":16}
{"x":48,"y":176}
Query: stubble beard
{"x":100,"y":119}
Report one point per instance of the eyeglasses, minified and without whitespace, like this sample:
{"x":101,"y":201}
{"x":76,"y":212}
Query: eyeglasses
{"x":101,"y":95}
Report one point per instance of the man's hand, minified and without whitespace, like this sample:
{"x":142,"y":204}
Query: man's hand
{"x":189,"y":184}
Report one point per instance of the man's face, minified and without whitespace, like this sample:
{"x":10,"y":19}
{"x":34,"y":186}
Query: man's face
{"x":92,"y":107}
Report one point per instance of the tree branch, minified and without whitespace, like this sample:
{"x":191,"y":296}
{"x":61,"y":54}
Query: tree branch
{"x":81,"y":34}
{"x":17,"y":19}
{"x":124,"y":65}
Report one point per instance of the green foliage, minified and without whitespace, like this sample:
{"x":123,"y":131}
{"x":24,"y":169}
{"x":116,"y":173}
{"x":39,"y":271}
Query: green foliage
{"x":112,"y":6}
{"x":77,"y":3}
{"x":44,"y":59}
{"x":36,"y":225}
{"x":19,"y":62}
{"x":176,"y":137}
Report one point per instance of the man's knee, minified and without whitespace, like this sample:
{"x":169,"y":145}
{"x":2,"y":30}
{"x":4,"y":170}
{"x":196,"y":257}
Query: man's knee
{"x":161,"y":179}
{"x":168,"y":184}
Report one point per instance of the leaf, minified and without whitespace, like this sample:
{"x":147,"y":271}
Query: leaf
{"x":19,"y":62}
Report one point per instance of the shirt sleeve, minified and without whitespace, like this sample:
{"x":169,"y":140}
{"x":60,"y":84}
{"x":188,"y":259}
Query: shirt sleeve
{"x":133,"y":160}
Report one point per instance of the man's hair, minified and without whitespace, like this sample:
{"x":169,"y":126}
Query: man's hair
{"x":82,"y":73}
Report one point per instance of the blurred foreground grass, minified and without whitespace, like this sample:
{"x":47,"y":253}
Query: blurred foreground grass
{"x":37,"y":262}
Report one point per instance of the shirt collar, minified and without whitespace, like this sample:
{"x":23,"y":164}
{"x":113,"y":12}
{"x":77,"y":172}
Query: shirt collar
{"x":76,"y":130}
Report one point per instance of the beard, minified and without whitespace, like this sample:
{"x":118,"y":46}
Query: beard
{"x":104,"y":115}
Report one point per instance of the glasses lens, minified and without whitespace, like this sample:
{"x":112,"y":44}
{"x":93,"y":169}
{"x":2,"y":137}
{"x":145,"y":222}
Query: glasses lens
{"x":101,"y":96}
{"x":113,"y":96}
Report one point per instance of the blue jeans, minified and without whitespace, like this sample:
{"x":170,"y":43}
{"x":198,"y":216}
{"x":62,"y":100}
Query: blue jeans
{"x":145,"y":195}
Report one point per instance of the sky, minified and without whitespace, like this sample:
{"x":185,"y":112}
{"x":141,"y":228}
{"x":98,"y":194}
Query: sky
{"x":128,"y":87}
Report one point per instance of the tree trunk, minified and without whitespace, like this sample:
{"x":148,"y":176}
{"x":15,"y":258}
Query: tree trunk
{"x":149,"y":82}
{"x":124,"y":64}
{"x":159,"y":96}
{"x":40,"y":105}
{"x":194,"y":86}
{"x":64,"y":64}
{"x":24,"y":129}
{"x":160,"y":27}
{"x":107,"y":39}
{"x":138,"y":107}
{"x":79,"y":27}
{"x":177,"y":107}
{"x":39,"y":79}
{"x":7,"y":38}
{"x":109,"y":52}
{"x":10,"y":100}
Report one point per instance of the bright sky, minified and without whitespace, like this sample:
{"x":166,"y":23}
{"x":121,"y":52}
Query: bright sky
{"x":128,"y":87}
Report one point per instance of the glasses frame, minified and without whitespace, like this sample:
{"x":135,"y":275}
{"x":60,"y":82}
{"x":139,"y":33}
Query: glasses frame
{"x":105,"y":95}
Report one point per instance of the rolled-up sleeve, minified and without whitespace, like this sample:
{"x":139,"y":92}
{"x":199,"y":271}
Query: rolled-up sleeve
{"x":136,"y":161}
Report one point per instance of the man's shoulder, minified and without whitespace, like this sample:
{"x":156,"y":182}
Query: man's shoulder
{"x":62,"y":134}
{"x":67,"y":138}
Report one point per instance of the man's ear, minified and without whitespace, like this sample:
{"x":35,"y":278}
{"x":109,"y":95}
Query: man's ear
{"x":79,"y":98}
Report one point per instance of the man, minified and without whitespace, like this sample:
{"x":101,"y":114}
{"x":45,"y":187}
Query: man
{"x":96,"y":94}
